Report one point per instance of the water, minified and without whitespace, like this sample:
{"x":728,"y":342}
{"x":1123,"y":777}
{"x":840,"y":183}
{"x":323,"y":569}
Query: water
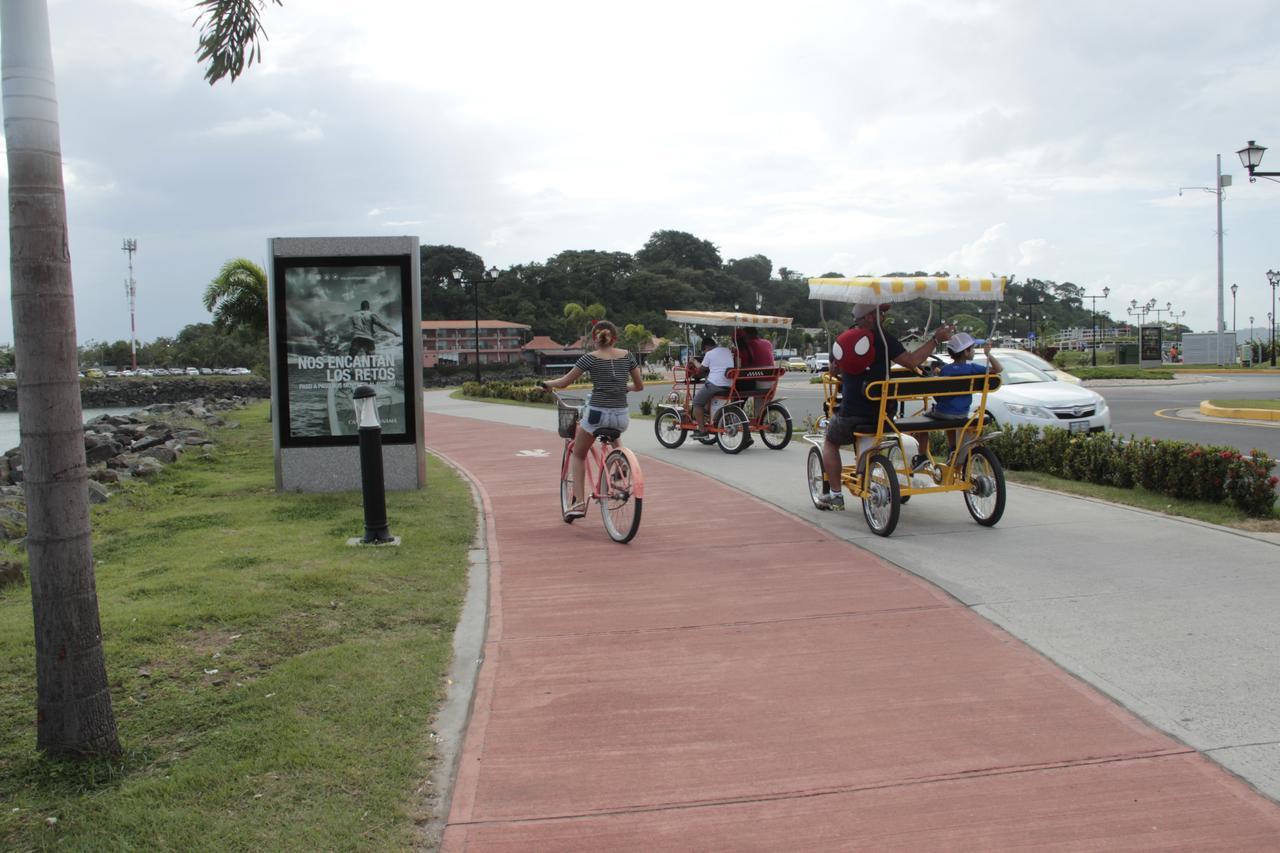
{"x":9,"y":436}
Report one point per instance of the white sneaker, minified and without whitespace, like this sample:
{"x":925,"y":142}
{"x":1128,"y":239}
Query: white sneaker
{"x":831,"y":501}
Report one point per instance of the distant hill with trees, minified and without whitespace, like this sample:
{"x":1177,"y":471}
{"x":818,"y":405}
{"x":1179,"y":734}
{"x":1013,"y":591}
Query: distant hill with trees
{"x":675,"y":269}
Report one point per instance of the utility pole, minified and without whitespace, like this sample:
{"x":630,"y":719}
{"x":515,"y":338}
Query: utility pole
{"x":131,"y":293}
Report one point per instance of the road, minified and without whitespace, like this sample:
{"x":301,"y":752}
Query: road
{"x":1174,"y":619}
{"x":1160,"y":409}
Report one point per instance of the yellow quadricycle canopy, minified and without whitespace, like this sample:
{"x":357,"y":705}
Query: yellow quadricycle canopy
{"x":736,"y":319}
{"x":873,"y":291}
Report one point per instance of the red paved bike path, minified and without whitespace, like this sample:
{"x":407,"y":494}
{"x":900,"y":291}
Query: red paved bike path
{"x":738,"y":679}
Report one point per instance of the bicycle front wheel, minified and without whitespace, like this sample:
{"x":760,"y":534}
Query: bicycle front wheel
{"x":566,"y":482}
{"x":619,"y":505}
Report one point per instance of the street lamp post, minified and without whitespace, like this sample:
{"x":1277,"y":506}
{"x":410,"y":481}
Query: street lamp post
{"x":1234,"y":288}
{"x":1219,"y":186}
{"x":1251,"y":158}
{"x":1030,"y":305}
{"x":1106,"y":291}
{"x":490,"y":274}
{"x":1273,"y":278}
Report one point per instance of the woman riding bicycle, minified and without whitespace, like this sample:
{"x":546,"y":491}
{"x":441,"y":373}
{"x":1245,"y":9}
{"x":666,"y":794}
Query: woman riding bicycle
{"x":609,"y":369}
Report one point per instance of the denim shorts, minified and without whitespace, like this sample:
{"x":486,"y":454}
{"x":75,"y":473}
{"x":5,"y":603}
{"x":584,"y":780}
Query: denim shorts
{"x":593,"y":419}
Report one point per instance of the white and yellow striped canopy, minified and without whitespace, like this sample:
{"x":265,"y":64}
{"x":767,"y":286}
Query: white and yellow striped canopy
{"x":729,"y":318}
{"x":872,"y":291}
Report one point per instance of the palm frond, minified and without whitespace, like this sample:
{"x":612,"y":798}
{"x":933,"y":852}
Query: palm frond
{"x":229,"y":36}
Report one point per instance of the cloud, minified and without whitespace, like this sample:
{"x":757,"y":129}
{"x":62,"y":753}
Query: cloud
{"x":270,"y":122}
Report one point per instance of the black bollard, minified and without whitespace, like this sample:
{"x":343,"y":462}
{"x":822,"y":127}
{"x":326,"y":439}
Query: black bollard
{"x":371,"y":483}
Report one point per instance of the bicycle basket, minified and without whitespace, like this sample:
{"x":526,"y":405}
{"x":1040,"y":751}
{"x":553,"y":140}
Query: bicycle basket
{"x":569,"y":417}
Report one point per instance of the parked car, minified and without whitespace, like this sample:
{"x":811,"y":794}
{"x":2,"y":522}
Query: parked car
{"x":94,"y":373}
{"x":1028,"y":396}
{"x":796,"y":363}
{"x":239,"y":371}
{"x":1036,"y":361}
{"x":193,"y":371}
{"x":818,"y":362}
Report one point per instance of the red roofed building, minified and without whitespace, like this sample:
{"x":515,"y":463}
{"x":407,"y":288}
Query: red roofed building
{"x":544,"y":354}
{"x":454,"y":342}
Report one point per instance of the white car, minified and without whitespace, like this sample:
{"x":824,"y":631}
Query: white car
{"x":1036,"y":361}
{"x":1028,"y":396}
{"x":818,"y":362}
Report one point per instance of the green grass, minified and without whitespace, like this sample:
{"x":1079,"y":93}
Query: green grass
{"x":314,"y":733}
{"x":1246,"y":404}
{"x":1124,"y":371}
{"x":1143,"y":499}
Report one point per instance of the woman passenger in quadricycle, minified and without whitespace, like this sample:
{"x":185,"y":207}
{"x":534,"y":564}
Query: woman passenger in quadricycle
{"x":609,"y":369}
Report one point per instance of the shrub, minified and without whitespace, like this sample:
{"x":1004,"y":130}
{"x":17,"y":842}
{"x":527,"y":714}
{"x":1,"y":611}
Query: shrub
{"x":1178,"y":469}
{"x":646,"y":406}
{"x":1250,"y":486}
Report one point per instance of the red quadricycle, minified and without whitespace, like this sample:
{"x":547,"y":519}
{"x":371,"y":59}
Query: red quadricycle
{"x":750,"y":406}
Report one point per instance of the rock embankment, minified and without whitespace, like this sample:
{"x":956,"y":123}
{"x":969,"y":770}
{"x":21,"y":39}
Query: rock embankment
{"x":120,"y":392}
{"x":119,"y":448}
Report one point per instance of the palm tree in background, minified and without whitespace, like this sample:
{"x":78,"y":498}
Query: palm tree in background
{"x":74,"y":716}
{"x":238,"y":296}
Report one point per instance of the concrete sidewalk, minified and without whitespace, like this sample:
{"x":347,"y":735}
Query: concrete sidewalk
{"x":740,"y":678}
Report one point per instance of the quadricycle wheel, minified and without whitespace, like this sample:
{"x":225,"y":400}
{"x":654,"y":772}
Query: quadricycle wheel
{"x":816,"y":476}
{"x":735,"y":429}
{"x":985,"y":498}
{"x":619,"y":506}
{"x":881,"y":504}
{"x":667,"y":428}
{"x":775,"y":426}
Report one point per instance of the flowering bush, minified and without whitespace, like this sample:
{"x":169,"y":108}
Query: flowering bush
{"x":1250,"y":485}
{"x":1178,"y":469}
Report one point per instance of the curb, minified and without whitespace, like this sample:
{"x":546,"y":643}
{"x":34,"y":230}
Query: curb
{"x":1210,"y":410}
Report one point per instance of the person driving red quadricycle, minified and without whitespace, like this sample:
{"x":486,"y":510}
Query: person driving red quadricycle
{"x":736,"y":392}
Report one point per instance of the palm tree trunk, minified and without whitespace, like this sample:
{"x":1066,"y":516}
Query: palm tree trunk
{"x":73,"y":702}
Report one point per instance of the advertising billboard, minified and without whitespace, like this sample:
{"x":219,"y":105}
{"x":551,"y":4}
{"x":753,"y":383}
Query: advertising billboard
{"x":343,"y":322}
{"x":1150,"y":346}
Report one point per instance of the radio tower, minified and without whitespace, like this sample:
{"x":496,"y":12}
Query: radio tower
{"x":131,"y":292}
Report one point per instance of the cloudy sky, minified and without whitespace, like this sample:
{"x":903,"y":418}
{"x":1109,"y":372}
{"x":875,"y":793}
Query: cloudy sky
{"x":1046,"y":140}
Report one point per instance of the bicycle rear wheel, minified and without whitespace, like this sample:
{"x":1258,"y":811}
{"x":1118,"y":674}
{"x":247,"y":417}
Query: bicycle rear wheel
{"x":619,"y":506}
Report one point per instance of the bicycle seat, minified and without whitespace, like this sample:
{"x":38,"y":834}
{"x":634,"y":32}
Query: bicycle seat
{"x":607,"y":434}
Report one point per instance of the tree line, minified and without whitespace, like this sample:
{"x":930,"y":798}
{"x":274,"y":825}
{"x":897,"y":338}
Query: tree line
{"x":675,"y":269}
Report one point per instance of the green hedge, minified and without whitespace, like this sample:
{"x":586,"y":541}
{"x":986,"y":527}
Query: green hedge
{"x":525,"y":392}
{"x":1178,"y":469}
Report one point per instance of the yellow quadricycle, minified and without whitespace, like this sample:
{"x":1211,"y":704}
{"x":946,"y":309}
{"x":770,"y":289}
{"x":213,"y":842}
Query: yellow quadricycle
{"x":891,"y":464}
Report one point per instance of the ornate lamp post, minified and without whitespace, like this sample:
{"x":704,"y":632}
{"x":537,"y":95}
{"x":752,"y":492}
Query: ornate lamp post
{"x":1251,"y":158}
{"x":490,"y":274}
{"x":1106,"y":291}
{"x":1273,"y":278}
{"x":1234,"y":288}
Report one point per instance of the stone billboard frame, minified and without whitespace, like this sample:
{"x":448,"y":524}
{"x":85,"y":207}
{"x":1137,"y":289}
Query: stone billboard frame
{"x":325,"y":463}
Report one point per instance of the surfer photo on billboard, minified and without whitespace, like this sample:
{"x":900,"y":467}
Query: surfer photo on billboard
{"x":364,"y":325}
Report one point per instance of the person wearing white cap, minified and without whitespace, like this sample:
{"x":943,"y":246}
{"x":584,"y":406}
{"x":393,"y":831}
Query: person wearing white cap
{"x":855,"y":409}
{"x":961,"y":347}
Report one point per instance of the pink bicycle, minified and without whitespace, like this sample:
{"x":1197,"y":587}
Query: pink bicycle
{"x":613,"y":474}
